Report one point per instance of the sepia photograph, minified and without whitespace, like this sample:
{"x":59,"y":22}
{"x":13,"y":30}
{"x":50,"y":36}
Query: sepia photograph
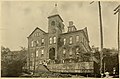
{"x":60,"y":39}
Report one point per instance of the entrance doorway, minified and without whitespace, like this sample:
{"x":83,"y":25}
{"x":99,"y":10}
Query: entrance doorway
{"x":52,"y":53}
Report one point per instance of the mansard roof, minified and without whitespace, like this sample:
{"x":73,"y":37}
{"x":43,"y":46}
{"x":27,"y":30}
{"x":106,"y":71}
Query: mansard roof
{"x":82,"y":30}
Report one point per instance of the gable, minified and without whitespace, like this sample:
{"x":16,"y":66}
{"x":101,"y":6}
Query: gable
{"x":37,"y":32}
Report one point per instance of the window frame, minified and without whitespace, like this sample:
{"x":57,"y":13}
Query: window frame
{"x":42,"y":41}
{"x":70,"y":40}
{"x":42,"y":51}
{"x":70,"y":52}
{"x":37,"y":53}
{"x":54,"y":39}
{"x":50,"y":40}
{"x":64,"y":51}
{"x":77,"y":38}
{"x":64,"y":41}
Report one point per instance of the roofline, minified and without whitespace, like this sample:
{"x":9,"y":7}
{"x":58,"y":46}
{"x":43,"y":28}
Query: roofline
{"x":76,"y":31}
{"x":56,"y":15}
{"x":71,"y":32}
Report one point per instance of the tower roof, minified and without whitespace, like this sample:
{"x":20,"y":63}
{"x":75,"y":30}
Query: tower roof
{"x":54,"y":11}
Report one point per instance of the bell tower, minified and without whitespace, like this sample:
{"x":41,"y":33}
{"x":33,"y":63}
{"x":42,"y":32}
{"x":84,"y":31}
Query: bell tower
{"x":55,"y":28}
{"x":55,"y":24}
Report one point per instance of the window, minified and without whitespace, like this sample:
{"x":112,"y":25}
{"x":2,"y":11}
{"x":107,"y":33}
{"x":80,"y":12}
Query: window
{"x":37,"y":42}
{"x":77,"y":38}
{"x":71,"y":40}
{"x":77,"y":50}
{"x":64,"y":51}
{"x":63,"y":61}
{"x":64,"y":40}
{"x":42,"y":51}
{"x":31,"y":54}
{"x":42,"y":41}
{"x":53,"y":23}
{"x":32,"y":43}
{"x":50,"y":40}
{"x":54,"y":39}
{"x":37,"y":53}
{"x":70,"y":52}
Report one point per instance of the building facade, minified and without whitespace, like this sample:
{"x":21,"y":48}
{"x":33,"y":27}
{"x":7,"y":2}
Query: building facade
{"x":57,"y":46}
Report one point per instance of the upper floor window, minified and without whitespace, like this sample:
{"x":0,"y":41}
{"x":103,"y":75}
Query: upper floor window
{"x":54,"y":39}
{"x":64,"y":41}
{"x":42,"y":51}
{"x":71,"y":40}
{"x":36,"y":34}
{"x":42,"y":41}
{"x":31,"y":54}
{"x":36,"y":53}
{"x":50,"y":40}
{"x":77,"y":50}
{"x":37,"y":42}
{"x":53,"y":23}
{"x":77,"y":38}
{"x":70,"y":52}
{"x":32,"y":43}
{"x":64,"y":51}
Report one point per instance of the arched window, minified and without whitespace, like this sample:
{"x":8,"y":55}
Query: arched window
{"x":64,"y":51}
{"x":50,"y":40}
{"x":37,"y":42}
{"x":54,"y":39}
{"x":71,"y":39}
{"x":77,"y":38}
{"x":42,"y":51}
{"x":42,"y":41}
{"x":70,"y":52}
{"x":31,"y":54}
{"x":36,"y":53}
{"x":53,"y":23}
{"x":77,"y":50}
{"x":64,"y":41}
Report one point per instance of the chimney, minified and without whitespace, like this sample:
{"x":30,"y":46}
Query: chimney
{"x":71,"y":27}
{"x":70,"y":23}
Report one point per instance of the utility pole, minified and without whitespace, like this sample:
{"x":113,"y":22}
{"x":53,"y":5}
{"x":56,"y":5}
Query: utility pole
{"x":101,"y":37}
{"x":117,"y":10}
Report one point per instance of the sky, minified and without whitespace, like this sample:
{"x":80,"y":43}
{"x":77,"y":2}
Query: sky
{"x":20,"y":18}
